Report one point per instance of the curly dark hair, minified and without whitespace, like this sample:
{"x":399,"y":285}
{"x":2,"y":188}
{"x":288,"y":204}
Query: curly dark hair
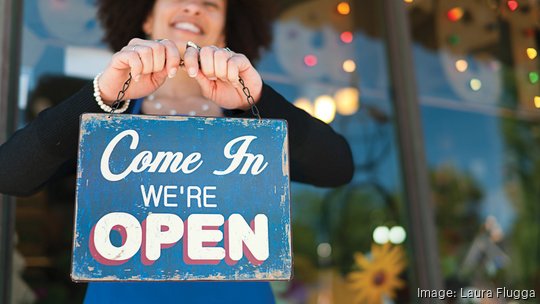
{"x":248,"y":27}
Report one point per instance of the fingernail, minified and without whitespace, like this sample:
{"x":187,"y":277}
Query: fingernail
{"x":212,"y":78}
{"x":172,"y":72}
{"x":192,"y":72}
{"x":137,"y":78}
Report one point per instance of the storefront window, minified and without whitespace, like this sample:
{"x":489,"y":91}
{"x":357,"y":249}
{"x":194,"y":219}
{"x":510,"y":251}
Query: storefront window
{"x":61,"y":50}
{"x":477,"y":69}
{"x":329,"y":58}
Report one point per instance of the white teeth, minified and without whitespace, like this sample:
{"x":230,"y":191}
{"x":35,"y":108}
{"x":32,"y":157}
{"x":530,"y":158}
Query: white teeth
{"x":186,"y":26}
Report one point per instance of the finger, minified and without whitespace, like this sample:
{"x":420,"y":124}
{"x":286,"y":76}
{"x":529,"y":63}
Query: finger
{"x":232,"y":72}
{"x":236,"y":64}
{"x":158,"y":56}
{"x":158,"y":53}
{"x":191,"y":61}
{"x":127,"y":58}
{"x":221,"y":58}
{"x":172,"y":57}
{"x":207,"y":61}
{"x":147,"y":57}
{"x":242,"y":62}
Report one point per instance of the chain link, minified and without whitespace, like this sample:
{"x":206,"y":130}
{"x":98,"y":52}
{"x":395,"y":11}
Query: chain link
{"x":121,"y":94}
{"x":250,"y":99}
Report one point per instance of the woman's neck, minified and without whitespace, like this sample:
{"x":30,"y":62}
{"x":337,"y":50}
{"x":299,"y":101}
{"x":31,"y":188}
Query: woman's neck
{"x":180,"y":95}
{"x":179,"y":87}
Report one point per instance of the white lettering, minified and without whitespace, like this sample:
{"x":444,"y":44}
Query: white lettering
{"x":253,"y":161}
{"x":132,"y":236}
{"x":105,"y":170}
{"x":255,"y":238}
{"x":151,"y":195}
{"x":170,"y":195}
{"x":197,"y":236}
{"x":144,"y":161}
{"x":156,"y":238}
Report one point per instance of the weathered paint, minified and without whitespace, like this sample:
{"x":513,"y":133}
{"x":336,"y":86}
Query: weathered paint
{"x":245,"y":194}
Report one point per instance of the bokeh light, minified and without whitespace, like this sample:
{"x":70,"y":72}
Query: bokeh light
{"x":349,"y":66}
{"x":347,"y":100}
{"x":533,"y":77}
{"x":512,"y":5}
{"x":455,"y":14}
{"x":325,"y":108}
{"x":381,"y":235}
{"x":531,"y":53}
{"x":304,"y":104}
{"x":343,"y":8}
{"x":397,"y":235}
{"x":462,"y":65}
{"x":346,"y":37}
{"x":310,"y":60}
{"x":475,"y":84}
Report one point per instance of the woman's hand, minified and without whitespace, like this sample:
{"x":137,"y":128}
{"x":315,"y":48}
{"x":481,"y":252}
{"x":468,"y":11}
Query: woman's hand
{"x":150,"y":63}
{"x":218,"y":75}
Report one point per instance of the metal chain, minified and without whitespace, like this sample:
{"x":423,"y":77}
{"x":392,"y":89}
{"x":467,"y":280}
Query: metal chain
{"x":249,"y":98}
{"x":121,"y":94}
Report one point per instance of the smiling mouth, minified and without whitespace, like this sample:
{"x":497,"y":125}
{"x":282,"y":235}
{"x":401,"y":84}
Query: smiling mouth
{"x":188,"y":27}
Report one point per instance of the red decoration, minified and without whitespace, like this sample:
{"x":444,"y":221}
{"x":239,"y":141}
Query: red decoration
{"x":455,"y":14}
{"x":346,"y":37}
{"x":512,"y":5}
{"x":310,"y":60}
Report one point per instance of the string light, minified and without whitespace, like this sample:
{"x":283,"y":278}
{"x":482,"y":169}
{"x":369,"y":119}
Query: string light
{"x":397,"y":235}
{"x":347,"y":101}
{"x":408,"y":1}
{"x":325,"y":108}
{"x":533,"y":77}
{"x":310,"y":60}
{"x":346,"y":37}
{"x":453,"y":39}
{"x":512,"y":5}
{"x":304,"y":104}
{"x":537,"y":101}
{"x":343,"y":8}
{"x":455,"y":14}
{"x":381,"y":235}
{"x":462,"y":65}
{"x":349,"y":66}
{"x":531,"y":53}
{"x":475,"y":84}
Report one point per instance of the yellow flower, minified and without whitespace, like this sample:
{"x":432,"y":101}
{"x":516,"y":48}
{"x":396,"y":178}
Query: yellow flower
{"x":379,"y":275}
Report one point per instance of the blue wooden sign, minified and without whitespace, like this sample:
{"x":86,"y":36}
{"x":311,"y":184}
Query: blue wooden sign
{"x":181,"y":198}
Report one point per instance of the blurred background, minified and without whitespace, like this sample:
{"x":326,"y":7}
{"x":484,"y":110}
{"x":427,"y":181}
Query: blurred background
{"x":439,"y":99}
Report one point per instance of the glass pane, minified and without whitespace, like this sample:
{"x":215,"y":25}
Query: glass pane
{"x":477,"y":69}
{"x":61,"y":50}
{"x":329,"y":58}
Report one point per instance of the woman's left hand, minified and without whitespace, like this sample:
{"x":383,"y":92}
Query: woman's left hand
{"x":218,"y":75}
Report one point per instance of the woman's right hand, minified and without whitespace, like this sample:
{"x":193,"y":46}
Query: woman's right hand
{"x":150,"y":63}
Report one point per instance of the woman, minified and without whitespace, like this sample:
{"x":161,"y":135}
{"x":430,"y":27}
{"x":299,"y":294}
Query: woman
{"x":206,"y":84}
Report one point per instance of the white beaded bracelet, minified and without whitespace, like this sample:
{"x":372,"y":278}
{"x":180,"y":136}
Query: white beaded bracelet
{"x":102,"y":105}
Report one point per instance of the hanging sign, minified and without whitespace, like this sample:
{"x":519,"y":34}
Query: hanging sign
{"x":181,"y":198}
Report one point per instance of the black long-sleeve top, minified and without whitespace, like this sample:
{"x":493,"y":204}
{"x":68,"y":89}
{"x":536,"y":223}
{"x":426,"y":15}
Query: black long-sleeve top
{"x":32,"y":155}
